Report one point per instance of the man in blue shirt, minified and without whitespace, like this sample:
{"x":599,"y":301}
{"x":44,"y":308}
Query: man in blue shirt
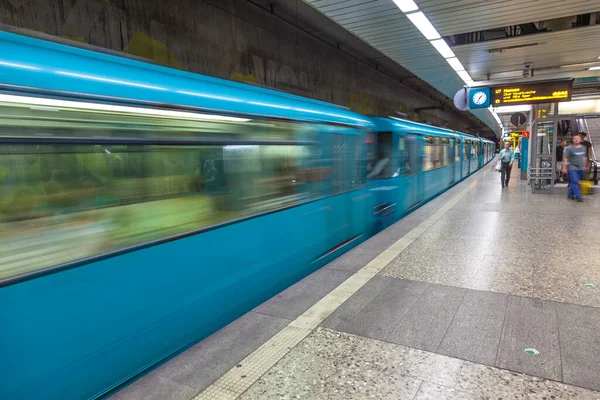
{"x":507,"y":157}
{"x":575,"y":161}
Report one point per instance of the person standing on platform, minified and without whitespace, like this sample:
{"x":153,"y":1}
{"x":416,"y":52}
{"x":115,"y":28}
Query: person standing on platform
{"x":559,"y":158}
{"x":585,"y":143}
{"x":575,"y":162}
{"x":507,"y":157}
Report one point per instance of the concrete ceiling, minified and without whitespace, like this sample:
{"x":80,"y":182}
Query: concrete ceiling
{"x":552,"y":55}
{"x":312,"y":21}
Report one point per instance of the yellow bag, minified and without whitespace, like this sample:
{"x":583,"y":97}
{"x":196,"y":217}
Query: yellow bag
{"x":586,"y":187}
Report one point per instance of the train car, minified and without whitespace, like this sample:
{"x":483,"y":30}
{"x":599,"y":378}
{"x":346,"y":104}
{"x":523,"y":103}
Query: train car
{"x":414,"y":162}
{"x":143,"y":208}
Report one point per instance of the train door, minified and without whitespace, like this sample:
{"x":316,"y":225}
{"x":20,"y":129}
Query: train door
{"x":480,"y":153}
{"x":413,"y":180}
{"x":456,"y":159}
{"x":465,"y":157}
{"x":385,"y":177}
{"x":340,"y":218}
{"x":450,"y":150}
{"x":361,"y":201}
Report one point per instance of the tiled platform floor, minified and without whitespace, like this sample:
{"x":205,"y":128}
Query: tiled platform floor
{"x":448,"y":318}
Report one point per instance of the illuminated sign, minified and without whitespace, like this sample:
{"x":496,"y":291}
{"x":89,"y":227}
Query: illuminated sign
{"x":532,"y":93}
{"x":542,"y":113}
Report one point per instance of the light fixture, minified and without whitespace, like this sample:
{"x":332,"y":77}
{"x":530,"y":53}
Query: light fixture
{"x":464,"y":75}
{"x":519,"y":46}
{"x":442,"y":47}
{"x":455,"y":64}
{"x":594,"y":68}
{"x":406,"y":5}
{"x":422,"y":23}
{"x":154,"y":112}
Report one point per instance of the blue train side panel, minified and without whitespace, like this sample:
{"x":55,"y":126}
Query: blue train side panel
{"x":79,"y":332}
{"x":51,"y":66}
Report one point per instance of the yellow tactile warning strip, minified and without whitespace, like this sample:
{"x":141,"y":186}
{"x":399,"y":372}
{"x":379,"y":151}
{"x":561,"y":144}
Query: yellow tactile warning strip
{"x":238,"y":379}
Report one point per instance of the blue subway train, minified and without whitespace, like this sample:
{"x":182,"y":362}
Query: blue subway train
{"x":142,"y":208}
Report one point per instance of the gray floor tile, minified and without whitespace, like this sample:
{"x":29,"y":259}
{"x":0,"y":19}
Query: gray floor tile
{"x":347,"y":311}
{"x":579,"y":328}
{"x":202,"y":364}
{"x":298,"y":298}
{"x":474,"y":333}
{"x":379,"y":318}
{"x":154,"y":387}
{"x":530,"y":323}
{"x":424,"y":325}
{"x":353,"y":260}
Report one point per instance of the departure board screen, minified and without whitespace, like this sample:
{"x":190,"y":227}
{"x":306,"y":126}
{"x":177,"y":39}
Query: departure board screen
{"x":532,"y":93}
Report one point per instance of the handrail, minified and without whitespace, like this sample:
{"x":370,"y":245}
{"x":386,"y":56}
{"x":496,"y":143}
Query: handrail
{"x":589,"y":138}
{"x":537,"y":178}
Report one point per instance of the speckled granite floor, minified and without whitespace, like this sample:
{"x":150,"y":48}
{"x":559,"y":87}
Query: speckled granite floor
{"x":334,"y":365}
{"x":448,"y":318}
{"x":514,"y":242}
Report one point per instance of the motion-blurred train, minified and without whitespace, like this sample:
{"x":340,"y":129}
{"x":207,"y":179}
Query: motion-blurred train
{"x":142,"y":208}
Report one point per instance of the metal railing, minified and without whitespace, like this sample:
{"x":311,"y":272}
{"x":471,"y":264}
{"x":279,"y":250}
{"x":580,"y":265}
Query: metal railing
{"x":540,"y":179}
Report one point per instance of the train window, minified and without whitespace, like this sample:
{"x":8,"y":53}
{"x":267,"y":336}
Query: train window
{"x":436,"y":154}
{"x":409,"y":153}
{"x":457,"y":151}
{"x":342,"y":163}
{"x":383,"y":167}
{"x":466,"y":149}
{"x":357,"y":161}
{"x":474,"y":149}
{"x":107,"y":195}
{"x":444,"y":144}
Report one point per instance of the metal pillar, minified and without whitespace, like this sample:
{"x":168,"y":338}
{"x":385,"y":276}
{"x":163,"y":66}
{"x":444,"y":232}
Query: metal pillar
{"x":541,"y":170}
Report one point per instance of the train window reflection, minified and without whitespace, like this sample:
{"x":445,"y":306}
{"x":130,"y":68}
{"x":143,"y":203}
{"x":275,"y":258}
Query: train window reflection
{"x":107,"y":197}
{"x":383,"y":167}
{"x":410,"y":155}
{"x":436,"y":153}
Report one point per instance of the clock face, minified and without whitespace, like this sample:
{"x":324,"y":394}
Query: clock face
{"x":479,"y":98}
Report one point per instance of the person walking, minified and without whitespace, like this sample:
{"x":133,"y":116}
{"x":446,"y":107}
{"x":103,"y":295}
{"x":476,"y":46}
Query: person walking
{"x":507,"y":157}
{"x":559,"y":158}
{"x":575,"y":162}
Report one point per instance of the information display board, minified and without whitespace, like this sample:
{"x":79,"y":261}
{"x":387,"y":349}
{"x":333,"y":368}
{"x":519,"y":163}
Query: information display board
{"x":532,"y":93}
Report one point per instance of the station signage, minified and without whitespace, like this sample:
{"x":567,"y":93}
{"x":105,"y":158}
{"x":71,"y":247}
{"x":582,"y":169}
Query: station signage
{"x":532,"y":93}
{"x":479,"y":98}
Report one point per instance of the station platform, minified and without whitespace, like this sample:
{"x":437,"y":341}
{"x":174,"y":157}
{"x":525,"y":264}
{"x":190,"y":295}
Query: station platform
{"x":482,"y":293}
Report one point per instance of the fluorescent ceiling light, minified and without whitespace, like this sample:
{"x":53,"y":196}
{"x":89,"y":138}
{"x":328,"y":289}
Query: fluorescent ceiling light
{"x":422,"y":23}
{"x":464,"y":75}
{"x":594,"y":68}
{"x":455,"y":64}
{"x":442,"y":47}
{"x":406,"y":5}
{"x":39,"y":101}
{"x":512,"y":109}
